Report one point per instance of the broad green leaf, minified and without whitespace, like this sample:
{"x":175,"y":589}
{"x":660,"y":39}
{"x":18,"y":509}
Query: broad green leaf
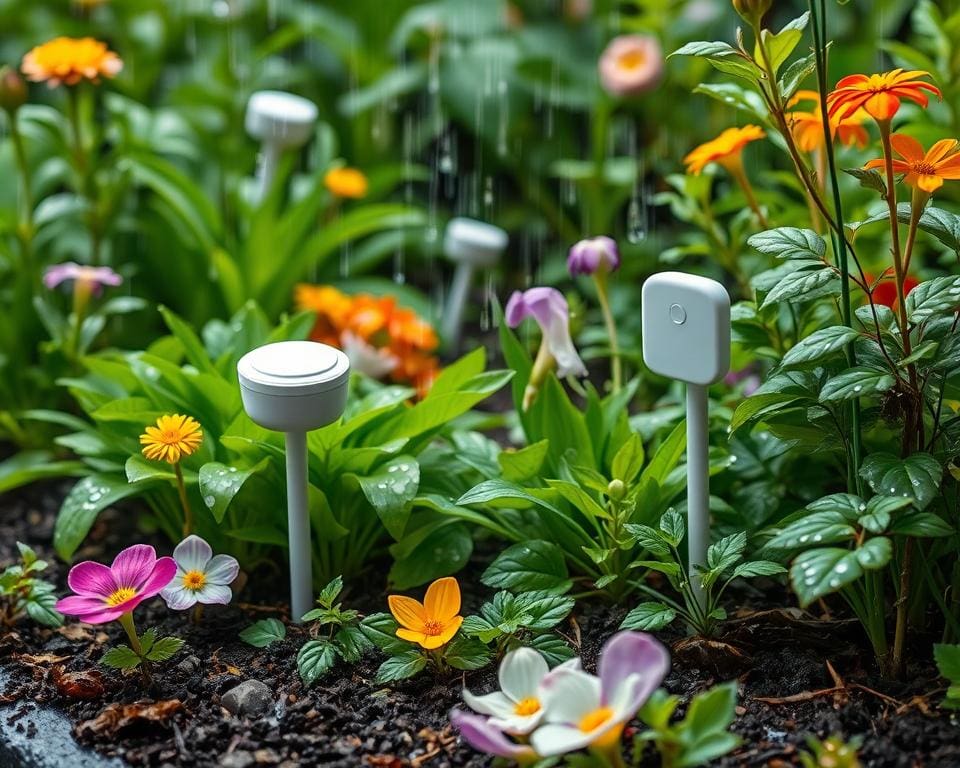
{"x":879,"y":512}
{"x":673,"y":527}
{"x":220,"y":483}
{"x":757,"y":406}
{"x":758,"y":568}
{"x":920,"y":524}
{"x":543,"y":610}
{"x":710,"y":713}
{"x":789,"y":243}
{"x":529,"y":566}
{"x":649,"y":539}
{"x":779,"y":46}
{"x":330,"y":592}
{"x":648,"y":617}
{"x":726,"y":552}
{"x":827,"y":527}
{"x":916,"y":477}
{"x":351,"y":643}
{"x":948,"y":661}
{"x":164,"y":648}
{"x":811,"y":280}
{"x":80,"y":508}
{"x":820,"y":572}
{"x":314,"y":659}
{"x":391,"y":490}
{"x":939,"y":296}
{"x":580,"y":499}
{"x":818,"y":346}
{"x":401,"y":666}
{"x":29,"y":466}
{"x":467,"y":653}
{"x":524,"y":463}
{"x":552,"y":648}
{"x":381,"y":630}
{"x":443,"y":551}
{"x":262,"y":633}
{"x":120,"y":657}
{"x":628,"y":461}
{"x":859,"y":381}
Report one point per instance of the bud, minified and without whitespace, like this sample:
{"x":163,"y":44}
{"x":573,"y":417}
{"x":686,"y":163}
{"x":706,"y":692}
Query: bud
{"x":13,"y":90}
{"x":751,"y":11}
{"x":616,"y":490}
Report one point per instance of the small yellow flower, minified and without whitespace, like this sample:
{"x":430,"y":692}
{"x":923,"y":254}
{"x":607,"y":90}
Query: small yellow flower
{"x":172,"y":438}
{"x":70,"y":60}
{"x":725,"y":149}
{"x":346,"y":182}
{"x":435,"y":621}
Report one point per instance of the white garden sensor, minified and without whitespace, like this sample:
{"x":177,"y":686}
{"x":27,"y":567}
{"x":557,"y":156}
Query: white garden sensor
{"x":295,"y":387}
{"x":471,"y":245}
{"x":686,"y":336}
{"x":279,"y":121}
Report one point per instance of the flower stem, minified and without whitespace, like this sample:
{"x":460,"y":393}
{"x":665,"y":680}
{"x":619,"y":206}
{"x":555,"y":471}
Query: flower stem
{"x":197,"y":614}
{"x":126,"y":621}
{"x":734,"y":166}
{"x":616,"y":364}
{"x":184,"y":501}
{"x":23,"y":169}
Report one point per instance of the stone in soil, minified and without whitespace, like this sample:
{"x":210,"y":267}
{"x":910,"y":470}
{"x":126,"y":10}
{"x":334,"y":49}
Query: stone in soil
{"x":249,"y":699}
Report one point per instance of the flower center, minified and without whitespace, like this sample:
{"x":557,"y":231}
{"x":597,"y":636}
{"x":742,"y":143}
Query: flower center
{"x":631,"y":60}
{"x":121,"y":595}
{"x":593,"y":720}
{"x":528,"y":706}
{"x":170,"y":436}
{"x":923,"y":168}
{"x":194,"y":580}
{"x":432,"y":628}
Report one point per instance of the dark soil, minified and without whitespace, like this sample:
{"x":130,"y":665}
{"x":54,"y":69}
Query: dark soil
{"x":346,"y":720}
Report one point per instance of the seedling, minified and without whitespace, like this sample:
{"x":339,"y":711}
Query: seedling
{"x":343,"y":639}
{"x":22,"y":592}
{"x":295,"y":387}
{"x":686,"y":336}
{"x":280,"y":121}
{"x":471,"y":245}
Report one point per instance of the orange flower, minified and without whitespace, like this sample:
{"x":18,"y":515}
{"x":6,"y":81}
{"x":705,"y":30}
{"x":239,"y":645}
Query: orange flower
{"x":331,"y":306}
{"x":879,"y":94}
{"x":924,"y":172}
{"x":725,"y":149}
{"x":432,"y":623}
{"x":407,"y":328}
{"x":346,"y":182}
{"x":807,"y":127}
{"x":70,"y":60}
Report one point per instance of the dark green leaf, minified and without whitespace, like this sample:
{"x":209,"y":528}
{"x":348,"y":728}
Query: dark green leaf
{"x":649,"y":617}
{"x":262,"y":633}
{"x":314,"y":659}
{"x":916,"y":477}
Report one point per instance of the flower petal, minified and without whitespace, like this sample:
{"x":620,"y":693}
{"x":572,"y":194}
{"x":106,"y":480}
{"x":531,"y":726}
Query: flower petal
{"x":179,"y":598}
{"x":408,"y":612}
{"x":90,"y":610}
{"x":134,"y":565}
{"x":411,"y":636}
{"x":90,"y":578}
{"x":521,"y":673}
{"x":495,"y":703}
{"x":214,"y":594}
{"x":222,"y":569}
{"x":558,"y":739}
{"x":163,"y":573}
{"x":442,"y":601}
{"x":567,"y":695}
{"x":481,"y":735}
{"x":907,"y":146}
{"x":193,"y":553}
{"x":632,"y":653}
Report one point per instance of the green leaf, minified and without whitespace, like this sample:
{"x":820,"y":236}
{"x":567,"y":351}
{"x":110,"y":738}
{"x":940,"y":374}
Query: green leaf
{"x":710,"y":713}
{"x":467,"y":653}
{"x":726,"y":552}
{"x":827,"y":527}
{"x":27,"y":555}
{"x":948,"y":661}
{"x":552,"y":648}
{"x":543,"y":610}
{"x":381,"y":630}
{"x":649,"y":617}
{"x":939,"y":296}
{"x":673,"y":527}
{"x":40,"y":608}
{"x":820,"y":572}
{"x":869,"y":178}
{"x":315,"y":659}
{"x":351,"y":643}
{"x":789,"y":243}
{"x":879,"y":511}
{"x":120,"y":657}
{"x":164,"y":648}
{"x":523,"y":464}
{"x":80,"y":508}
{"x":444,"y":550}
{"x":391,"y":490}
{"x":534,"y":565}
{"x":193,"y":348}
{"x":628,"y":461}
{"x":859,"y":381}
{"x":811,"y":280}
{"x":916,"y":477}
{"x":330,"y":592}
{"x":724,"y":57}
{"x":220,"y":483}
{"x":757,"y":406}
{"x":920,"y":524}
{"x":779,"y":46}
{"x":401,"y":666}
{"x":818,"y":346}
{"x":29,"y":466}
{"x":262,"y":633}
{"x":758,"y":568}
{"x":649,"y":539}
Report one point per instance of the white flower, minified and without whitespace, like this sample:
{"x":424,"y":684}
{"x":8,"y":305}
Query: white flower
{"x":201,"y":577}
{"x":517,"y":708}
{"x":582,"y":710}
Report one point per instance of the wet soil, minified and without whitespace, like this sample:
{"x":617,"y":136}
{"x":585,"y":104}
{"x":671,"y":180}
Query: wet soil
{"x":347,"y":720}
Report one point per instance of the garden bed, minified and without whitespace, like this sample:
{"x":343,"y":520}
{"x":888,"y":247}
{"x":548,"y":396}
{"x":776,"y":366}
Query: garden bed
{"x":347,"y":720}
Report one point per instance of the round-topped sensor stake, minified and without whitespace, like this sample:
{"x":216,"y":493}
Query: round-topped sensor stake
{"x":686,"y":336}
{"x":295,"y":387}
{"x":470,"y":244}
{"x":279,"y":121}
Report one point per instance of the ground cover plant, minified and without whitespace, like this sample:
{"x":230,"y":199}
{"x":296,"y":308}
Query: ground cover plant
{"x":465,"y":199}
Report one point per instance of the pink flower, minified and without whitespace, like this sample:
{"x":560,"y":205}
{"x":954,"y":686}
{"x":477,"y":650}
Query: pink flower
{"x":88,"y":279}
{"x":485,"y":737}
{"x":104,"y":594}
{"x":596,"y":254}
{"x":630,"y":65}
{"x":549,"y":308}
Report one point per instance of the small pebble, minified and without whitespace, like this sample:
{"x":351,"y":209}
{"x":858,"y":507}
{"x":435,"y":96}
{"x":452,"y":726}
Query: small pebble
{"x":250,"y":699}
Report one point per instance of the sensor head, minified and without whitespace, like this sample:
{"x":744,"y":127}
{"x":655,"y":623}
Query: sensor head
{"x":686,"y":327}
{"x":280,"y":118}
{"x":468,"y":241}
{"x":294,"y":386}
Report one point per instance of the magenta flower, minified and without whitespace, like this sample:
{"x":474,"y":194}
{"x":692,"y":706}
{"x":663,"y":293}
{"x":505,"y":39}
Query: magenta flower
{"x":549,"y":308}
{"x":485,"y":737}
{"x":630,"y":65}
{"x":89,"y":279}
{"x":595,"y":254}
{"x":105,"y":594}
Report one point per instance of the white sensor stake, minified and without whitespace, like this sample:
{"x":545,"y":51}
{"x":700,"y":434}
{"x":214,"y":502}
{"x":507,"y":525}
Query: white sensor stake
{"x":470,"y":244}
{"x":295,"y":387}
{"x":279,"y":121}
{"x":686,"y":336}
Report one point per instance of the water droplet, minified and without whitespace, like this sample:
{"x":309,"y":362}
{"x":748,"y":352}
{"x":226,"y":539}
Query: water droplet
{"x":858,"y":387}
{"x":841,"y":568}
{"x":209,"y":501}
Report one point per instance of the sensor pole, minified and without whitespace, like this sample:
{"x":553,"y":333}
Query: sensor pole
{"x":298,"y":524}
{"x":698,"y":486}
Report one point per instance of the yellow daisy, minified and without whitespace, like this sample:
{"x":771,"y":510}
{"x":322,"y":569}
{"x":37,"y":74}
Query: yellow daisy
{"x":172,"y":438}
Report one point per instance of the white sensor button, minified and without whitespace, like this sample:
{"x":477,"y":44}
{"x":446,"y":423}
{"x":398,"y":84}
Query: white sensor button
{"x":678,"y":314}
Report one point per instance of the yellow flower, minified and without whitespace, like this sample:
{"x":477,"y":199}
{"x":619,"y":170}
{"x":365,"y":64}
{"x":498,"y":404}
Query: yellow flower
{"x":434,"y":622}
{"x":924,"y":171}
{"x":70,"y":60}
{"x":725,"y":149}
{"x":172,"y":438}
{"x":346,"y":182}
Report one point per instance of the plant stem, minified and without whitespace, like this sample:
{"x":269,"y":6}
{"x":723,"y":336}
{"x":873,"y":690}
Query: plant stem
{"x":184,"y":501}
{"x":26,"y":205}
{"x":616,"y":364}
{"x":126,"y":621}
{"x":734,"y":166}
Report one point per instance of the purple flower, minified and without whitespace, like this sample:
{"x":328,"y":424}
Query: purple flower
{"x":480,"y":734}
{"x":596,"y":254}
{"x":90,"y":279}
{"x":549,"y":308}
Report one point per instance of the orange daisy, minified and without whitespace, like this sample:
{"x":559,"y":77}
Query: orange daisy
{"x":725,"y":149}
{"x":331,"y":306}
{"x":879,"y":94}
{"x":924,"y":172}
{"x":70,"y":60}
{"x":346,"y":182}
{"x":432,"y":623}
{"x":807,"y":126}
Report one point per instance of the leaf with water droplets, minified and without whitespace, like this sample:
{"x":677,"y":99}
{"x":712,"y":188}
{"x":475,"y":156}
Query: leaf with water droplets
{"x":220,"y":483}
{"x":916,"y":477}
{"x":820,"y":572}
{"x":80,"y":508}
{"x":391,"y":490}
{"x":818,"y":346}
{"x":859,"y":381}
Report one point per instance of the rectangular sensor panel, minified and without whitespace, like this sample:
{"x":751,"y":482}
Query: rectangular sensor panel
{"x":686,"y":327}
